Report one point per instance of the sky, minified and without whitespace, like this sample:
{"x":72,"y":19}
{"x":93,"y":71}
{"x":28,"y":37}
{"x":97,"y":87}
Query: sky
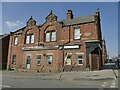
{"x":15,"y":16}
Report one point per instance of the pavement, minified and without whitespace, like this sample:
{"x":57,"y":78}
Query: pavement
{"x":107,"y":72}
{"x":105,"y":78}
{"x":82,"y":75}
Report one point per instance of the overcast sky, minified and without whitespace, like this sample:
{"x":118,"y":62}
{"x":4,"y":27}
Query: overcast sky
{"x":15,"y":16}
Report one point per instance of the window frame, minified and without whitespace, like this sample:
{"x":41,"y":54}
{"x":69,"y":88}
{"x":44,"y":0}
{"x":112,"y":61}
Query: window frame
{"x":16,"y":42}
{"x":38,"y":59}
{"x":82,"y":59}
{"x":14,"y":59}
{"x":51,"y":36}
{"x":68,"y":60}
{"x":74,"y":33}
{"x":30,"y":39}
{"x":48,"y":60}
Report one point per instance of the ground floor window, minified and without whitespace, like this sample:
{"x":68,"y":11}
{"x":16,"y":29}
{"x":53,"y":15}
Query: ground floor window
{"x":50,"y":59}
{"x":68,"y":60}
{"x":38,"y":58}
{"x":80,"y":59}
{"x":14,"y":59}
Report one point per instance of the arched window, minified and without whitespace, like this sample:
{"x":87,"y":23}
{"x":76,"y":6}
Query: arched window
{"x":29,"y":38}
{"x":50,"y":36}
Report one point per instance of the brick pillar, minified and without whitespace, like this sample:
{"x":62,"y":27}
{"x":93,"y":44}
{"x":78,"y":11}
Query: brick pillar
{"x":90,"y":61}
{"x":9,"y":52}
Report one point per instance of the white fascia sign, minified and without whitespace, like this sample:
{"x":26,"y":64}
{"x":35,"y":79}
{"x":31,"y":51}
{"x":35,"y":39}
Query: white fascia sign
{"x":71,"y":47}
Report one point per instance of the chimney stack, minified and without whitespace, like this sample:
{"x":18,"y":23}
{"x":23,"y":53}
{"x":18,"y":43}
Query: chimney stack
{"x":70,"y":14}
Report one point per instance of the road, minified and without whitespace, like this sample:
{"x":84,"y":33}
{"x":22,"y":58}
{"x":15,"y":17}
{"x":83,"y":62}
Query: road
{"x":18,"y":80}
{"x":35,"y":80}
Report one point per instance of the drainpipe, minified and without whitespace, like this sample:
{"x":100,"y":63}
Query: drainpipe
{"x":39,"y":38}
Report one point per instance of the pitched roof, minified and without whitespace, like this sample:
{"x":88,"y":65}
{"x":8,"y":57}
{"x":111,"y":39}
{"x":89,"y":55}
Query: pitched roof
{"x":78,"y":20}
{"x":4,"y":35}
{"x":67,"y":22}
{"x":19,"y":31}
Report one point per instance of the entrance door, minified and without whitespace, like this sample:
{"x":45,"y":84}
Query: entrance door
{"x":94,"y":62}
{"x":28,"y":59}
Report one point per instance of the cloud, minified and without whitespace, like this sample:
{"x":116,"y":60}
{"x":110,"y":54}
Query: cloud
{"x":15,"y":24}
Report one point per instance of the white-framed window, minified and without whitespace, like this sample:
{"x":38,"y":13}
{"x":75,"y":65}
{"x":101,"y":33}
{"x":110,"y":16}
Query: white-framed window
{"x":80,"y":59}
{"x":53,"y":38}
{"x":48,"y":37}
{"x":38,"y":59}
{"x":50,"y":59}
{"x":32,"y":38}
{"x":68,"y":59}
{"x":15,"y":40}
{"x":14,"y":59}
{"x":77,"y":33}
{"x":29,"y":38}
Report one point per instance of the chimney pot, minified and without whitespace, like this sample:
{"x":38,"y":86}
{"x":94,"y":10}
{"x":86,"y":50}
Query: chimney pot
{"x":70,"y":14}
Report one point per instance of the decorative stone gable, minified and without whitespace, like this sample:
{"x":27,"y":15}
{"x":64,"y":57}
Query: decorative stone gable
{"x":31,"y":22}
{"x":51,"y":17}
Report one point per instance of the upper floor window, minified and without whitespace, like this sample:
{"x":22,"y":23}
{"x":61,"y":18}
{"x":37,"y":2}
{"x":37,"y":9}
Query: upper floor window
{"x":53,"y":38}
{"x":30,"y":38}
{"x":15,"y":40}
{"x":50,"y":36}
{"x":77,"y":33}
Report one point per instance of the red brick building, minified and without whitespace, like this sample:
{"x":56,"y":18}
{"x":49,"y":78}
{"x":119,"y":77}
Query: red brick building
{"x":104,"y":52}
{"x":57,"y":45}
{"x":4,"y":47}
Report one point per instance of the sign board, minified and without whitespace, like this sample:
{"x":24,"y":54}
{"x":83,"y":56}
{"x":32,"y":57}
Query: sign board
{"x":71,"y":47}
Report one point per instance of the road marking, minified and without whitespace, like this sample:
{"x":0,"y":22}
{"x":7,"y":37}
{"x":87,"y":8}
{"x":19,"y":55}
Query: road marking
{"x":113,"y":85}
{"x":104,"y":84}
{"x":5,"y":86}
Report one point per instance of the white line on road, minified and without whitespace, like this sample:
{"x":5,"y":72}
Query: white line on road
{"x":104,"y":84}
{"x":113,"y":85}
{"x":5,"y":86}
